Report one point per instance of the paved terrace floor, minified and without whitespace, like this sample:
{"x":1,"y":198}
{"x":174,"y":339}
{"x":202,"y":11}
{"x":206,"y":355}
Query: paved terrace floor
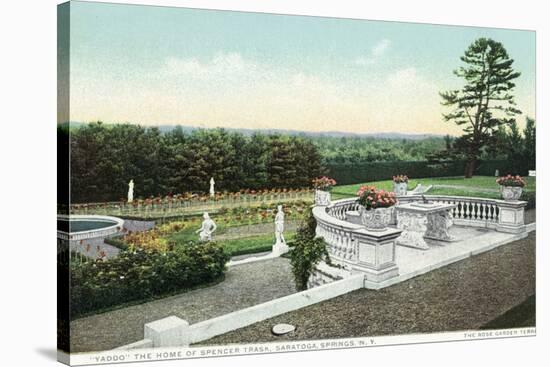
{"x":461,"y":296}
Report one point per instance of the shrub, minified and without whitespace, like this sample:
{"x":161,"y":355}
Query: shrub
{"x":531,"y":198}
{"x":116,"y":242}
{"x":140,"y":275}
{"x":308,"y":251}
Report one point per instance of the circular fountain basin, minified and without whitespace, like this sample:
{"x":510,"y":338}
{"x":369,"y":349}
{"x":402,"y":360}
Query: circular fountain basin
{"x":80,"y":227}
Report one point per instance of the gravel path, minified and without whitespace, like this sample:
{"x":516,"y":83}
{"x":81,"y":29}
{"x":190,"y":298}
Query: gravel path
{"x":463,"y":295}
{"x":244,"y":286}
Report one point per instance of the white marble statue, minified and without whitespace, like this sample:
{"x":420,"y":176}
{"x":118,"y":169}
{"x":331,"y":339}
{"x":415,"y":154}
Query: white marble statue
{"x":207,"y":229}
{"x":280,"y":247}
{"x":131,"y":191}
{"x":212,"y":192}
{"x":280,"y":226}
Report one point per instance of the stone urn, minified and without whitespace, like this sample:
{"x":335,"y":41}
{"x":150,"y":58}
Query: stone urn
{"x":400,"y":188}
{"x":376,"y":219}
{"x":511,"y":192}
{"x":322,"y":198}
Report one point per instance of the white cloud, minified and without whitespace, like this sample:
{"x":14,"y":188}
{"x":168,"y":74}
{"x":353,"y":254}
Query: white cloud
{"x":380,"y":48}
{"x":222,"y":64}
{"x":376,"y":52}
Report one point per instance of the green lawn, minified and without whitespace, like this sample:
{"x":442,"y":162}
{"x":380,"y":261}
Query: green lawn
{"x":482,"y":182}
{"x":237,"y":246}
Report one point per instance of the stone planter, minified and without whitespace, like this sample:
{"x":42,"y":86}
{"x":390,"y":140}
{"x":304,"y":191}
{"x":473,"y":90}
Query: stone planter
{"x":511,"y":192}
{"x":376,"y":219}
{"x":322,"y":197}
{"x":400,"y":189}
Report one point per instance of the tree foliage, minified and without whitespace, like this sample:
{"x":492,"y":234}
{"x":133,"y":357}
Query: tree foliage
{"x":485,"y":102}
{"x":104,"y":158}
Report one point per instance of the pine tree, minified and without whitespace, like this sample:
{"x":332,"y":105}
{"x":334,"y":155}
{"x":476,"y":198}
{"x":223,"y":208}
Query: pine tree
{"x":485,"y":101}
{"x":281,"y":170}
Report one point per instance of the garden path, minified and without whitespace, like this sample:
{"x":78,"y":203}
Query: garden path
{"x":244,"y":286}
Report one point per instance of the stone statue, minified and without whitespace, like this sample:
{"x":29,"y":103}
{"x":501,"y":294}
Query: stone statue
{"x":280,"y":226}
{"x":212,"y":192}
{"x":208,"y":227}
{"x":131,"y":191}
{"x":280,"y":247}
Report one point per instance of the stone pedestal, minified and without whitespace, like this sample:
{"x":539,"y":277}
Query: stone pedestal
{"x":376,"y":254}
{"x":322,"y":198}
{"x":424,"y":220}
{"x":400,"y":188}
{"x":279,"y":248}
{"x":511,"y":216}
{"x":168,"y":332}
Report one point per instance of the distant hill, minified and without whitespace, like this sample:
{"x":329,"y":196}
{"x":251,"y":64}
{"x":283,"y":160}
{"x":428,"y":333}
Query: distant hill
{"x":383,"y":135}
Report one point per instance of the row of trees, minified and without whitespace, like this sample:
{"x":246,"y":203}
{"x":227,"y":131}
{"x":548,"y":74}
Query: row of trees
{"x":357,"y":149}
{"x":508,"y":143}
{"x":105,"y":157}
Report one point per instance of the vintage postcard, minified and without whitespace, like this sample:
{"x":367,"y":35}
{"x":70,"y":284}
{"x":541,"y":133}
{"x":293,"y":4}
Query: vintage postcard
{"x":239,"y":183}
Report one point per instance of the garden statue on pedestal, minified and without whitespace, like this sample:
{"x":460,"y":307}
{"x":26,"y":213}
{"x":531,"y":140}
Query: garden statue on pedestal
{"x":280,"y":247}
{"x":131,"y":191}
{"x":208,"y":227}
{"x":212,"y":192}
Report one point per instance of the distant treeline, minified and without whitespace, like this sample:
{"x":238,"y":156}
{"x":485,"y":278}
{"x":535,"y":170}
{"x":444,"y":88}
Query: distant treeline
{"x":104,"y":158}
{"x":347,"y":150}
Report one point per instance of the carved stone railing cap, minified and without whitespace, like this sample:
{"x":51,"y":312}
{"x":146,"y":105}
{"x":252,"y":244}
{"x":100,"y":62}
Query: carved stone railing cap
{"x":387,"y":233}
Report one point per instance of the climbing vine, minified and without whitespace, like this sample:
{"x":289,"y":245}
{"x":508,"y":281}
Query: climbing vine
{"x":308,"y":251}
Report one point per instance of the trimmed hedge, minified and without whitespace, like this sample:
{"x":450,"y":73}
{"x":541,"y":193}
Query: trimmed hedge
{"x":139,"y":275}
{"x":117,"y":242}
{"x":346,"y":174}
{"x":352,"y":173}
{"x":531,"y":198}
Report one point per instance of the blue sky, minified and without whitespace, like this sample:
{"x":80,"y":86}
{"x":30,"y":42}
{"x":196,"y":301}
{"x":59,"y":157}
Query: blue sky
{"x":161,"y":65}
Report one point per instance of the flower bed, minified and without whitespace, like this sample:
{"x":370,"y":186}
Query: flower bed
{"x":168,"y":235}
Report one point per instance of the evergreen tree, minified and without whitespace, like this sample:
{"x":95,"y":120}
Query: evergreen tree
{"x":485,"y":101}
{"x":280,"y":168}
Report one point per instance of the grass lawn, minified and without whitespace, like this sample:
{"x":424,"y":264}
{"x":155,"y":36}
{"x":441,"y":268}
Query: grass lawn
{"x":481,"y":182}
{"x":237,"y":246}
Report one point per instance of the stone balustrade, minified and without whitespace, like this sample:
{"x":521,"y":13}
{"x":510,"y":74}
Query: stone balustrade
{"x":500,"y":215}
{"x":352,"y":247}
